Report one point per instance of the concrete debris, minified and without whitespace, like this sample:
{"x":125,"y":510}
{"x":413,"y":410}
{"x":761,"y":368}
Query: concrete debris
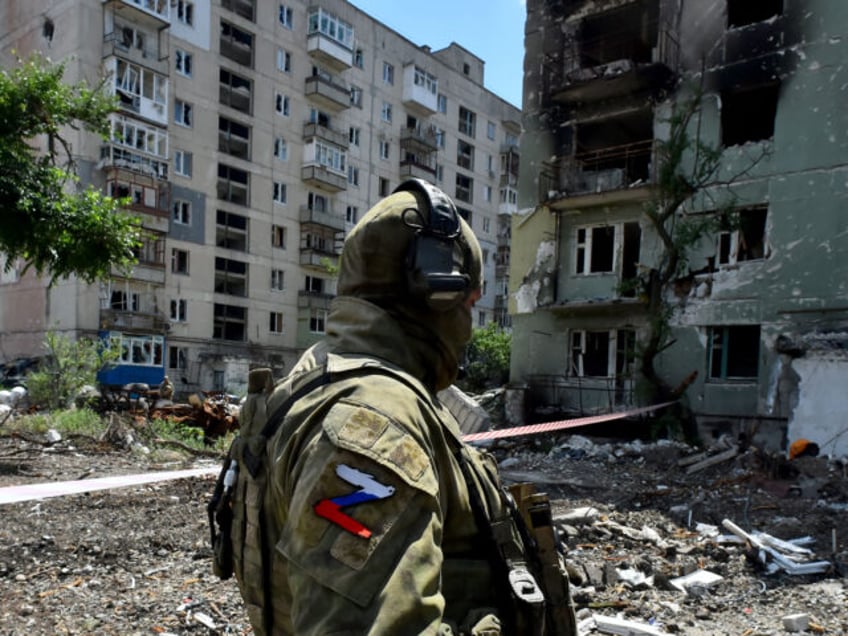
{"x":614,"y":625}
{"x":796,"y":622}
{"x":776,"y":555}
{"x":730,"y":453}
{"x":695,"y":582}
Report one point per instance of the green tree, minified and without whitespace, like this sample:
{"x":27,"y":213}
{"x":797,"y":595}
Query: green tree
{"x":47,"y":218}
{"x":68,"y":366}
{"x":487,"y":358}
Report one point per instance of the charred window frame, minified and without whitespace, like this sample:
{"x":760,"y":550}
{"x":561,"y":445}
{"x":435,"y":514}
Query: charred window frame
{"x":746,"y":242}
{"x":734,"y":352}
{"x":748,"y":114}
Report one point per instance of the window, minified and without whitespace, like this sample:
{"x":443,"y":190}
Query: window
{"x":183,"y":62}
{"x":182,"y":212}
{"x":602,"y":353}
{"x":481,"y":318}
{"x":276,"y":325}
{"x":467,"y":121}
{"x":487,"y":197}
{"x":331,"y":157}
{"x":384,"y":149}
{"x":359,"y":58}
{"x":230,"y":277}
{"x":353,"y":175}
{"x":286,"y":16}
{"x":231,"y":231}
{"x":314,"y":285}
{"x":177,"y":358}
{"x":748,"y":114}
{"x":747,"y":243}
{"x":464,"y":188}
{"x":386,"y":112}
{"x":278,"y":236}
{"x":179,"y":261}
{"x":354,"y":135}
{"x":440,"y":138}
{"x":317,"y":320}
{"x":388,"y":73}
{"x":179,"y":309}
{"x":383,"y":187}
{"x":466,"y":68}
{"x":491,"y":129}
{"x":278,"y":280}
{"x":734,"y":352}
{"x":595,"y":249}
{"x":244,"y":8}
{"x":279,"y":192}
{"x":440,"y":172}
{"x":466,"y":214}
{"x":442,"y":102}
{"x":182,"y":163}
{"x":124,"y":301}
{"x":229,"y":322}
{"x":487,"y":222}
{"x":183,"y":113}
{"x":743,"y":12}
{"x":281,"y":149}
{"x":351,"y":214}
{"x":356,"y":96}
{"x":281,"y":105}
{"x":464,"y":155}
{"x":425,"y":79}
{"x":185,"y":12}
{"x":236,"y":44}
{"x":284,"y":59}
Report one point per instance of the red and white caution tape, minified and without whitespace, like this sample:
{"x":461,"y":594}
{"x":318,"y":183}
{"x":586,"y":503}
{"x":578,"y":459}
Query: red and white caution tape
{"x":14,"y":494}
{"x":559,"y":425}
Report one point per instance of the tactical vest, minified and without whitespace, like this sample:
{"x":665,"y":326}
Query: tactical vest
{"x":241,"y":527}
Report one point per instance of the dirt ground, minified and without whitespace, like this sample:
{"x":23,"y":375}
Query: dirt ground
{"x":136,"y":560}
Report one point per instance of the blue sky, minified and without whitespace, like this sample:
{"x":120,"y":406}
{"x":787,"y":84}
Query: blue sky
{"x":491,"y":29}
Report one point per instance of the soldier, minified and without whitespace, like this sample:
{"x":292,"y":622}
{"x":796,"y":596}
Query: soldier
{"x":376,"y":518}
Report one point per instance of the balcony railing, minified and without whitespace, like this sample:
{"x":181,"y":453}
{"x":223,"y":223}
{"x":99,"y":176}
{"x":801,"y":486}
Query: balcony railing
{"x":596,"y":171}
{"x":322,"y":217}
{"x":327,"y":93}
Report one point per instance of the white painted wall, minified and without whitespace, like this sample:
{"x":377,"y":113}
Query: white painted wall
{"x":822,"y":411}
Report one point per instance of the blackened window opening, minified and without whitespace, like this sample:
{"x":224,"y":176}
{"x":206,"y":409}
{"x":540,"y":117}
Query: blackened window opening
{"x":748,"y":114}
{"x":744,"y":12}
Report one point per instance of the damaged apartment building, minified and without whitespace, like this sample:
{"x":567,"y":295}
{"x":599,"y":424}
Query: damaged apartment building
{"x":759,"y":314}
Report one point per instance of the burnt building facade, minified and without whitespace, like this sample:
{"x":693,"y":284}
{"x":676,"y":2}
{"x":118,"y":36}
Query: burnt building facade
{"x":759,"y":315}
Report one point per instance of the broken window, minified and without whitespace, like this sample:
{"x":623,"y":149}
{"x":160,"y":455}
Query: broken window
{"x":595,"y":249}
{"x":602,"y":353}
{"x":748,"y":114}
{"x":625,"y":33}
{"x":229,"y":322}
{"x":748,"y":242}
{"x":744,"y":12}
{"x":734,"y":352}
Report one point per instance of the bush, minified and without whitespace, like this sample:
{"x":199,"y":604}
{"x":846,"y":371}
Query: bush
{"x":68,"y":366}
{"x":487,"y":359}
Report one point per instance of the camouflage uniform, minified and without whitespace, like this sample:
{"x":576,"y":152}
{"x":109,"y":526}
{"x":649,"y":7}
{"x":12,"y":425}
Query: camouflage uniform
{"x":415,"y":561}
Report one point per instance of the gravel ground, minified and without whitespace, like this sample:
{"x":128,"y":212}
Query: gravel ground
{"x":136,"y":561}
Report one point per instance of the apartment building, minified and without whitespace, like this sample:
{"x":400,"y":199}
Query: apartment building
{"x":759,"y":314}
{"x":251,"y":136}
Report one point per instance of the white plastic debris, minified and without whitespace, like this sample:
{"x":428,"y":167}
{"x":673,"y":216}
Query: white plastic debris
{"x":703,"y":579}
{"x":796,"y":622}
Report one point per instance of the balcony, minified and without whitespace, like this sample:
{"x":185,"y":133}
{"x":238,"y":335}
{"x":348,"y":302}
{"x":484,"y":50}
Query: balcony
{"x":317,"y":131}
{"x":117,"y":319}
{"x":117,"y":43}
{"x":313,"y":300}
{"x":618,"y":54}
{"x":236,"y":44}
{"x":414,"y":168}
{"x":244,"y":8}
{"x":325,"y":50}
{"x":321,"y":177}
{"x":325,"y":92}
{"x":616,"y":168}
{"x":153,"y":12}
{"x":419,"y":139}
{"x":322,"y":218}
{"x":420,"y":90}
{"x":112,"y":156}
{"x":318,"y":259}
{"x":149,"y":196}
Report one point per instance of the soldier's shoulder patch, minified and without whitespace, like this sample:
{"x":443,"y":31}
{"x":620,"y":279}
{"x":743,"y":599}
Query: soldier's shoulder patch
{"x":366,"y":431}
